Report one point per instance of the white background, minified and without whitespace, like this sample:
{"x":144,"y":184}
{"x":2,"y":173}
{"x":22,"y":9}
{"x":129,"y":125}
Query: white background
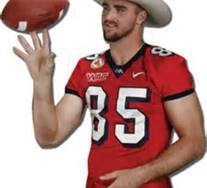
{"x":22,"y":163}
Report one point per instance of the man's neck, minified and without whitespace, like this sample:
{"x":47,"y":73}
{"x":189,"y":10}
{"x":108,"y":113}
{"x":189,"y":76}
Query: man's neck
{"x":123,"y":50}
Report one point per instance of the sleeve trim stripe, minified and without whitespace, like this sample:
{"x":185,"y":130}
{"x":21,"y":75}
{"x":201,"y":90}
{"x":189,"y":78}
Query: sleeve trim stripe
{"x":178,"y":95}
{"x":71,"y":91}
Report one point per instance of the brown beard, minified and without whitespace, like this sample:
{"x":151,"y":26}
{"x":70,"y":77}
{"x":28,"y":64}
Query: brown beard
{"x":116,"y":37}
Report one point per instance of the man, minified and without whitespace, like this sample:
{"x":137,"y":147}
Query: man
{"x":137,"y":93}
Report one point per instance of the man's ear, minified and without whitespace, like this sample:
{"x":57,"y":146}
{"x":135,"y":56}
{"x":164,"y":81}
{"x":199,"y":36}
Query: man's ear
{"x":141,"y":17}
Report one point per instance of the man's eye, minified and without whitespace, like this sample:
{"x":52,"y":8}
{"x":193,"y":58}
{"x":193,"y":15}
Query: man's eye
{"x":105,"y":7}
{"x":120,"y":9}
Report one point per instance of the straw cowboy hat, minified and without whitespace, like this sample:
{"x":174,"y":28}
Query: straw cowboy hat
{"x":159,"y":13}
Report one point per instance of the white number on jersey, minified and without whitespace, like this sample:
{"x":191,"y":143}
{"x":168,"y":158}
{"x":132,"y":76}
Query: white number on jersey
{"x":100,"y":125}
{"x":96,"y":94}
{"x":140,"y":123}
{"x":161,"y":51}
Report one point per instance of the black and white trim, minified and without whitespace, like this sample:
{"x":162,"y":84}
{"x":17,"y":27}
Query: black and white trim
{"x":71,"y":91}
{"x":178,"y":95}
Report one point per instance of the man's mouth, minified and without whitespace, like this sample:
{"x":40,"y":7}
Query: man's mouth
{"x":110,"y":25}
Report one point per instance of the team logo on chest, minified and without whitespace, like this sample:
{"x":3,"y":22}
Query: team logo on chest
{"x":97,"y":77}
{"x":97,"y":63}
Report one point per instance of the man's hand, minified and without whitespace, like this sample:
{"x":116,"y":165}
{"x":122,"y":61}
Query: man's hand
{"x":40,"y":59}
{"x":128,"y":178}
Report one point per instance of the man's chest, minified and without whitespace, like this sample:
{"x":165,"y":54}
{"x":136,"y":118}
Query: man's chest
{"x":121,"y":106}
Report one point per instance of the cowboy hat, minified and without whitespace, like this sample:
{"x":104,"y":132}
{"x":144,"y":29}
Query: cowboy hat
{"x":159,"y":13}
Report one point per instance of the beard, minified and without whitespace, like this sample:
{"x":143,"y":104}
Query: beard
{"x":115,"y":36}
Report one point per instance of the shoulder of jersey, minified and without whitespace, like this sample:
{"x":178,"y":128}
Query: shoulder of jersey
{"x":94,"y":60}
{"x":93,"y":57}
{"x":161,"y":54}
{"x":163,"y":59}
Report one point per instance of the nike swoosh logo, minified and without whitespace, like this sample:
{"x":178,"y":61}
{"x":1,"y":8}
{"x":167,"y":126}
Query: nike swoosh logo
{"x":134,"y":75}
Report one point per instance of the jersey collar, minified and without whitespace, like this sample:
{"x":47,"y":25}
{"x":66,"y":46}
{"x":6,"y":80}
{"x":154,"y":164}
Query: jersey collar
{"x":120,"y":69}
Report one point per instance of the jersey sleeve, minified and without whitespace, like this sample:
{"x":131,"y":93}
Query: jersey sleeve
{"x":75,"y":84}
{"x":176,"y":78}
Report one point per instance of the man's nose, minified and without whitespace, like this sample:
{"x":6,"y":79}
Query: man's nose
{"x":110,"y":15}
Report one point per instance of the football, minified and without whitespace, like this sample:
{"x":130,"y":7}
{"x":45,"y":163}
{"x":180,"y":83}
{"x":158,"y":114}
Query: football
{"x":33,"y":15}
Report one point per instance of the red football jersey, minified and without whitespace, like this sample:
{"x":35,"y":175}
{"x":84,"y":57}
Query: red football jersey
{"x":130,"y":126}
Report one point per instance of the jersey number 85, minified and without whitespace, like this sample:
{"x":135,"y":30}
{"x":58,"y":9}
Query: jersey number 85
{"x":100,"y":123}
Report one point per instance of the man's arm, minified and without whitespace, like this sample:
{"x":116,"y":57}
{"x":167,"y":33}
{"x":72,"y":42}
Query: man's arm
{"x":186,"y":118}
{"x":51,"y":123}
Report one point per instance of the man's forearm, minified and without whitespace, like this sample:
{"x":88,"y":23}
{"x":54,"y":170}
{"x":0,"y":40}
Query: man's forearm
{"x":44,"y":113}
{"x":174,"y":158}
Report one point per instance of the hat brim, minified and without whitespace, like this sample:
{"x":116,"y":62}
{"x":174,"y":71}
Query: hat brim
{"x":159,"y":13}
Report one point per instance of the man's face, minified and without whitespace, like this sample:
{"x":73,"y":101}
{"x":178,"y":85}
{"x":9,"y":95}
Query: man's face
{"x":118,"y":19}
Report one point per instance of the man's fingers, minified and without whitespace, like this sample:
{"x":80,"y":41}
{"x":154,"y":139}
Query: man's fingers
{"x":25,"y":44}
{"x":108,"y":176}
{"x":46,"y":39}
{"x":20,"y":54}
{"x":36,"y":40}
